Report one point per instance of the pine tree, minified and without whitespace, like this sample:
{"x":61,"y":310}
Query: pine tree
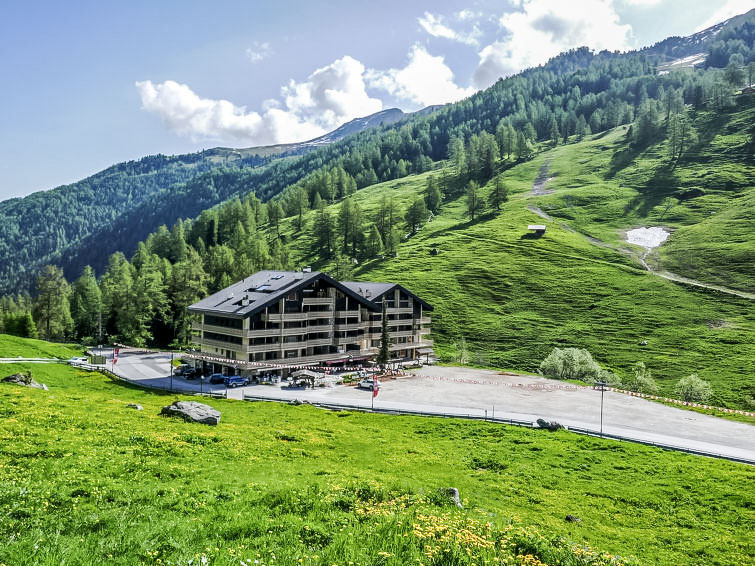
{"x":416,"y":215}
{"x":474,"y":201}
{"x":433,"y":196}
{"x":498,"y":195}
{"x":384,"y":353}
{"x":86,"y":306}
{"x":52,"y":313}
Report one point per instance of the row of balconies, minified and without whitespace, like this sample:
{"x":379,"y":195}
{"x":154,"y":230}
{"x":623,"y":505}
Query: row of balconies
{"x":240,"y":333}
{"x":277,"y":346}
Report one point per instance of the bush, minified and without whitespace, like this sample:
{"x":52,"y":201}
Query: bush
{"x":570,"y":363}
{"x":692,"y":388}
{"x":609,"y":378}
{"x":643,"y":381}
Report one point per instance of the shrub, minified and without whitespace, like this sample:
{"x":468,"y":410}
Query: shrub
{"x":570,"y":363}
{"x":609,"y":378}
{"x":692,"y":388}
{"x":643,"y":381}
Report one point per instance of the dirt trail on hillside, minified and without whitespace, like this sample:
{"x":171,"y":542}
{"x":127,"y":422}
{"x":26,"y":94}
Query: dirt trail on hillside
{"x":538,"y":189}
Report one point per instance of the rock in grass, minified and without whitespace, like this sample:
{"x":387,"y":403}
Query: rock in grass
{"x":193,"y":412}
{"x":24,"y":379}
{"x":452,"y":494}
{"x":134,"y":406}
{"x":573,"y":519}
{"x":549,"y":425}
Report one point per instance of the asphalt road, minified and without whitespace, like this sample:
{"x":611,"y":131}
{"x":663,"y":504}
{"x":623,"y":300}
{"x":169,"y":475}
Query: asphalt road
{"x":464,"y":391}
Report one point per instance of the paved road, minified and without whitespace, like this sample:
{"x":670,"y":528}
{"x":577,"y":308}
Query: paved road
{"x":463,"y":391}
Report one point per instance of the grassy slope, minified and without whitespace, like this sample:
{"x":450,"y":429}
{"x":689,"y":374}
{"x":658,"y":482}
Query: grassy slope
{"x":84,"y":480}
{"x":14,"y":347}
{"x":514,"y":298}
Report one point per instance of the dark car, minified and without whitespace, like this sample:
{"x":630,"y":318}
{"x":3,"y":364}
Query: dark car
{"x":235,"y":381}
{"x":192,"y":373}
{"x":216,"y":378}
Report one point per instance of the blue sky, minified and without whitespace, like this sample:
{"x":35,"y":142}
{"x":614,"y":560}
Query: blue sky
{"x":89,"y":84}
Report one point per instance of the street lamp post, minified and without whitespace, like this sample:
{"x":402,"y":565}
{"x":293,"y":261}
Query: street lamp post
{"x":171,"y":372}
{"x":602,"y":386}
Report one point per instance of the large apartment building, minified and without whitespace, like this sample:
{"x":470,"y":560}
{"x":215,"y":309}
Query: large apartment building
{"x":305,"y":317}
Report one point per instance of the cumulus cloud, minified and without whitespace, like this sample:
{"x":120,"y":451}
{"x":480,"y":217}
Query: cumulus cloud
{"x":259,"y":51}
{"x":425,"y":80}
{"x":730,"y":9}
{"x":329,"y":97}
{"x":541,"y":29}
{"x":435,"y":26}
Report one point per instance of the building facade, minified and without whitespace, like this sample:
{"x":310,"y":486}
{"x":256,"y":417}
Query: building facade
{"x":296,"y":318}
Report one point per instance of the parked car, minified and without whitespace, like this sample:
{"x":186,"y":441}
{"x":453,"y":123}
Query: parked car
{"x":235,"y":381}
{"x":183,"y":369}
{"x":367,"y":383}
{"x":216,"y":378}
{"x":192,"y":373}
{"x":78,"y":361}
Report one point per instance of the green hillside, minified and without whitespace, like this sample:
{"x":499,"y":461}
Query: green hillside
{"x":513,"y":298}
{"x":15,"y":347}
{"x":84,"y":480}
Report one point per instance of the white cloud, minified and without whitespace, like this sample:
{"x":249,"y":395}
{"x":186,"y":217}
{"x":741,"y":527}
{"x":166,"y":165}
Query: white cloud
{"x":435,"y":26}
{"x":542,"y":29}
{"x":641,"y":3}
{"x":259,"y":51}
{"x":425,"y":80}
{"x":329,"y":97}
{"x":729,"y":9}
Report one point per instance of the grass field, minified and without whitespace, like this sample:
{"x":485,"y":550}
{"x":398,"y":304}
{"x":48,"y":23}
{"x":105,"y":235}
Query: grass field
{"x":15,"y":347}
{"x":513,"y":298}
{"x":84,"y":480}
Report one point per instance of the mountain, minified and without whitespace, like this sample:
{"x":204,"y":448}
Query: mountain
{"x":85,"y":222}
{"x":84,"y":218}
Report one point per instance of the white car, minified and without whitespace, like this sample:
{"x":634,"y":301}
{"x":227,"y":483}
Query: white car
{"x":78,"y":361}
{"x":367,"y":383}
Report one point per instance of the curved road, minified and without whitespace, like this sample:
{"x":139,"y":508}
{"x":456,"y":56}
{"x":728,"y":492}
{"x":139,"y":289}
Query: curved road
{"x":464,"y":391}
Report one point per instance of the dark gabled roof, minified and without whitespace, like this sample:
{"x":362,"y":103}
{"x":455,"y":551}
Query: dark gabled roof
{"x":374,"y":292}
{"x":263,"y":289}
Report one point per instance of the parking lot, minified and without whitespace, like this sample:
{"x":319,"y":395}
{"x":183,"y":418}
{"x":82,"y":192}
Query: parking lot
{"x":466,"y":391}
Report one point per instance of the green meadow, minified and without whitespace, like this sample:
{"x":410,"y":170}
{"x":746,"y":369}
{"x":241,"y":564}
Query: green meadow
{"x":85,"y":480}
{"x":511,"y":298}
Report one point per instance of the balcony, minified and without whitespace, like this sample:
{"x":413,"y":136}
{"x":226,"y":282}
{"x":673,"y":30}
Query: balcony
{"x":400,"y":310}
{"x":315,"y":315}
{"x":422,"y":320}
{"x":317,"y":301}
{"x":350,"y":326}
{"x":219,"y":344}
{"x":218,"y":329}
{"x":262,"y":348}
{"x":290,"y":316}
{"x":403,"y":333}
{"x":349,"y":314}
{"x":348,"y":340}
{"x":318,"y":342}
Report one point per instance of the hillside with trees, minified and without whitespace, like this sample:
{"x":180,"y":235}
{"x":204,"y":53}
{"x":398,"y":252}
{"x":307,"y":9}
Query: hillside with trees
{"x":574,"y":94}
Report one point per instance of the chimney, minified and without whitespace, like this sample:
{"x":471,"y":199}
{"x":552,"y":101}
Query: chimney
{"x":298,"y":275}
{"x":307,"y":269}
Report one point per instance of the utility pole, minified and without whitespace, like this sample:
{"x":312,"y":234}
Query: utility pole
{"x":602,"y":386}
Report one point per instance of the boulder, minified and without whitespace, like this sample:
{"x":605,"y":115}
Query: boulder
{"x":452,"y":494}
{"x":134,"y":406}
{"x":548,"y":425}
{"x":25,"y":380}
{"x":193,"y":412}
{"x":573,"y":519}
